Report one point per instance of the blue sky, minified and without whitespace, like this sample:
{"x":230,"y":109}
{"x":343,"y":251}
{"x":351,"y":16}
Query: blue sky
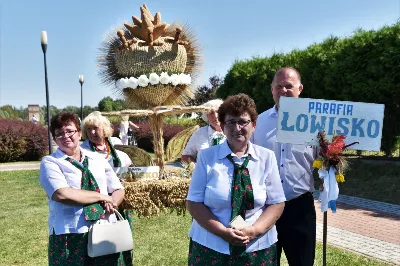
{"x":227,"y":30}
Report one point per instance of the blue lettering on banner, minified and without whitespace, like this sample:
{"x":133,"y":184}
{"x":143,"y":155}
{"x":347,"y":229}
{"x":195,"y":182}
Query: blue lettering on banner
{"x":305,"y":123}
{"x":284,"y":122}
{"x":341,"y":122}
{"x":376,"y":133}
{"x":315,"y":126}
{"x":330,"y":128}
{"x":356,"y":126}
{"x":330,"y":108}
{"x":342,"y":126}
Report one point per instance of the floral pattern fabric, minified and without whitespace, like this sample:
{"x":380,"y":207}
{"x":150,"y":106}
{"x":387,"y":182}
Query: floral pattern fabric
{"x":201,"y":255}
{"x":71,"y":249}
{"x":242,"y":195}
{"x":92,"y":211}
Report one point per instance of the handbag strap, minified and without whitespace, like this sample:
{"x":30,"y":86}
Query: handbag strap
{"x":119,"y":216}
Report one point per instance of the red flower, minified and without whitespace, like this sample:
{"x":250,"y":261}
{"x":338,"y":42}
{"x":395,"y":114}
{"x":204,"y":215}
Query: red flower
{"x":205,"y":249}
{"x":271,"y":261}
{"x":263,"y":263}
{"x":62,"y":253}
{"x":198,"y":258}
{"x":249,"y":187}
{"x":247,"y":263}
{"x":246,"y":172}
{"x":69,"y":259}
{"x":213,"y":260}
{"x":190,"y":254}
{"x":86,"y":217}
{"x":267,"y":251}
{"x":98,"y":190}
{"x":56,"y":261}
{"x":94,"y":209}
{"x":236,"y":187}
{"x":254,"y":254}
{"x":233,"y":205}
{"x":102,"y":216}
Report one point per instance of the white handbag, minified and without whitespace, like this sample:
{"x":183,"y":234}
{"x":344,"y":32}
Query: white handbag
{"x":110,"y":238}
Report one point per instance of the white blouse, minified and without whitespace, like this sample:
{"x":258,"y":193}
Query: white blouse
{"x":124,"y":158}
{"x":200,"y":139}
{"x":212,"y":182}
{"x":56,"y":173}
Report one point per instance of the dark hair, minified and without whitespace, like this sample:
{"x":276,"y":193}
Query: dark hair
{"x":62,"y":119}
{"x":236,"y":105}
{"x":287,"y":68}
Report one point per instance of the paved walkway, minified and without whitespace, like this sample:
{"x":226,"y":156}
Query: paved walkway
{"x":369,"y":227}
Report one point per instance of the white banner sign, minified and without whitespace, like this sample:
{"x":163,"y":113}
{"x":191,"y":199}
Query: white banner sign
{"x":300,"y":120}
{"x":143,"y":172}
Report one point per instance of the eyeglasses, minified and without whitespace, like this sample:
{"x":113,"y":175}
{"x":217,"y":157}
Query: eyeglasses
{"x":241,"y":123}
{"x":68,"y":134}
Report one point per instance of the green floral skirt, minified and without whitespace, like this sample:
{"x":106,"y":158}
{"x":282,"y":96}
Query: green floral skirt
{"x":201,"y":255}
{"x":71,"y":249}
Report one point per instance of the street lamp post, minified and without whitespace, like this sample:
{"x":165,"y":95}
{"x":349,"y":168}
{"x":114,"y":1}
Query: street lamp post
{"x":43,"y":40}
{"x":81,"y":82}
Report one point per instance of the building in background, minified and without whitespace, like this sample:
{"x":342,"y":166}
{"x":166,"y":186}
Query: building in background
{"x":34,"y":112}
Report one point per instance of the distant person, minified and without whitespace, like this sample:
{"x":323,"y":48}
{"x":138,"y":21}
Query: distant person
{"x":297,"y":225}
{"x":82,"y":189}
{"x":34,"y":120}
{"x":205,"y":136}
{"x":97,"y":135}
{"x":235,"y":179}
{"x":124,"y":127}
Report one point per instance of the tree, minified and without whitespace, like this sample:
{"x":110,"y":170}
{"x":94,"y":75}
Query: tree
{"x":106,"y":104}
{"x":13,"y":113}
{"x":43,"y":112}
{"x":206,"y":92}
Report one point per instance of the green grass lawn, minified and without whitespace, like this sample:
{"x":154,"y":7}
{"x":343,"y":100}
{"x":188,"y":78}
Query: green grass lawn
{"x":158,"y":241}
{"x":375,"y":180}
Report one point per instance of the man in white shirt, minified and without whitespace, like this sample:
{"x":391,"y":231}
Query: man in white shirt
{"x":297,"y":225}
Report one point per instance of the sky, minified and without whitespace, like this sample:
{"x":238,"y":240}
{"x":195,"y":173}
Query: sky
{"x":226,"y":30}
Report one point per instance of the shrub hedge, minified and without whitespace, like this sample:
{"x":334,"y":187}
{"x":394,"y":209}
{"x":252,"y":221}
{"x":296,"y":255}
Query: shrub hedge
{"x":144,"y":136}
{"x":362,"y":68}
{"x":22,"y":141}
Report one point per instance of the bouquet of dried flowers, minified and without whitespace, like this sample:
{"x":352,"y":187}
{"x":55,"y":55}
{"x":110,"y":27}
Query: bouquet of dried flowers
{"x":331,"y":155}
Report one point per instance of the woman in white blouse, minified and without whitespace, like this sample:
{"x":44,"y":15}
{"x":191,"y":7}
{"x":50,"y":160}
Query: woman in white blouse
{"x":97,"y":132}
{"x":236,"y":179}
{"x":82,"y":189}
{"x":205,"y":136}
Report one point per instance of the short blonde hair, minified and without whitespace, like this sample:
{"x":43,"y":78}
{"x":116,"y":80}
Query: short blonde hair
{"x":96,"y":119}
{"x":214,"y":104}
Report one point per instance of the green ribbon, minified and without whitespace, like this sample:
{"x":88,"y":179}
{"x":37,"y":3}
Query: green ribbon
{"x":242,"y":197}
{"x":92,"y":211}
{"x":114,"y":155}
{"x":217,"y":139}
